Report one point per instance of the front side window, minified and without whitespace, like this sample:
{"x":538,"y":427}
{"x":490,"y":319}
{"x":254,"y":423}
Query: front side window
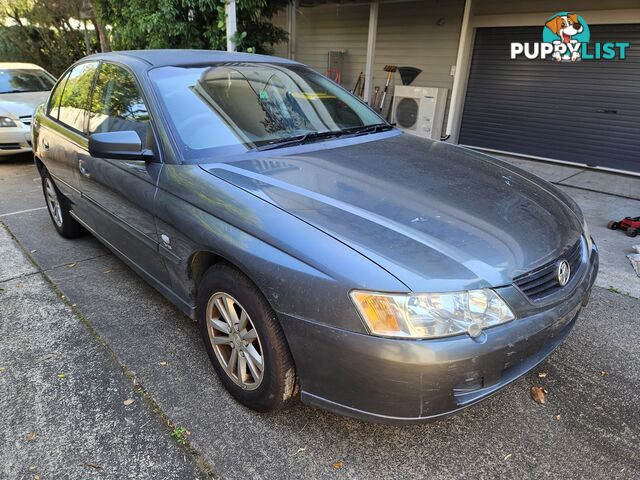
{"x":233,"y":108}
{"x":75,"y":97}
{"x":19,"y":80}
{"x":117,"y":103}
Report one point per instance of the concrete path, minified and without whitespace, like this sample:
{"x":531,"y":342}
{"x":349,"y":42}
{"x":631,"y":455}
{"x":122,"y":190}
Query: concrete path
{"x":589,"y":428}
{"x":62,"y":394}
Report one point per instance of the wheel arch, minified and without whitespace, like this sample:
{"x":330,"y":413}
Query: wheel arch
{"x":202,"y":260}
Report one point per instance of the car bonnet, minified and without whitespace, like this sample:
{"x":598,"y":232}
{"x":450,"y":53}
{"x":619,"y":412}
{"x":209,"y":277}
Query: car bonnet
{"x":436,"y":216}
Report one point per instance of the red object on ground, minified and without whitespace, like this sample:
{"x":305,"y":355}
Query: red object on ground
{"x":630,"y":224}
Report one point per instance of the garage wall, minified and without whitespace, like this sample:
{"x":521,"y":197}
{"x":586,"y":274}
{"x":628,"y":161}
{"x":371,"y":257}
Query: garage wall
{"x":280,"y":20}
{"x":497,"y":7}
{"x":334,"y":27}
{"x":408,"y":35}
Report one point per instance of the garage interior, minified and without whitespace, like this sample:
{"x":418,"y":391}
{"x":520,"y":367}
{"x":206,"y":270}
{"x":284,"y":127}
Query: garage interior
{"x":583,"y":113}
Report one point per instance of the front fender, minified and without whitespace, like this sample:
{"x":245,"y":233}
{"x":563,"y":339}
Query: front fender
{"x":301,"y":270}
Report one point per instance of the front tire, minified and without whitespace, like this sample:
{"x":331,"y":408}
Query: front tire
{"x":613,"y":225}
{"x":58,"y":208}
{"x":244,"y":340}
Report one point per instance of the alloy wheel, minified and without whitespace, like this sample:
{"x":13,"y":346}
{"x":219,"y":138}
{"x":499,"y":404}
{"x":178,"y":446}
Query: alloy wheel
{"x":235,"y":341}
{"x":53,"y":203}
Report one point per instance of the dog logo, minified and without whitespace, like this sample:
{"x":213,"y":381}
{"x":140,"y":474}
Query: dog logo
{"x":563,"y":273}
{"x":565,"y":38}
{"x":569,"y":30}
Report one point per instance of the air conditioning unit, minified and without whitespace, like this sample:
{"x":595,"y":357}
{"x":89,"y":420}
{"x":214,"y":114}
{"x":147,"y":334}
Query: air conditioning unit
{"x":419,"y":110}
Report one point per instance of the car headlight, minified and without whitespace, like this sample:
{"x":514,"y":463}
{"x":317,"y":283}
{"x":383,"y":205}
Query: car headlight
{"x":431,"y":315}
{"x":7,"y":122}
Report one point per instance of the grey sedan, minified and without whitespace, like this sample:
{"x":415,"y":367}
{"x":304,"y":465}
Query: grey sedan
{"x":325,"y":254}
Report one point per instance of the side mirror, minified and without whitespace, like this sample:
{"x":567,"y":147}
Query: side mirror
{"x":124,"y":145}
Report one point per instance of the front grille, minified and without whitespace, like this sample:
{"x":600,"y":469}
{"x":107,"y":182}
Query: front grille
{"x":10,"y":146}
{"x":542,"y":282}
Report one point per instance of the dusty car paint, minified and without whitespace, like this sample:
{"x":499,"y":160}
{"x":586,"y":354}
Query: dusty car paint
{"x":308,"y":224}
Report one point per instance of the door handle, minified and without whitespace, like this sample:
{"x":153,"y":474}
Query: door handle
{"x":83,"y":170}
{"x":45,"y":144}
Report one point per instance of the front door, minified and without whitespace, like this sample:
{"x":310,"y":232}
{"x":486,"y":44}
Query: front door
{"x":119,"y":194}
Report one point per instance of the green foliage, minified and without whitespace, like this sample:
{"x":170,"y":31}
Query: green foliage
{"x":42,"y":32}
{"x":141,"y":24}
{"x":179,"y":434}
{"x":50,"y":34}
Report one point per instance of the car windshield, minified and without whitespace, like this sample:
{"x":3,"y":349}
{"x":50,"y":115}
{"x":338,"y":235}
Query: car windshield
{"x":232,"y":108}
{"x":18,"y":80}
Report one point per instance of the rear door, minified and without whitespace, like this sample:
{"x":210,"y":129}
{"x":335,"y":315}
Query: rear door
{"x":62,"y":136}
{"x":120,"y":193}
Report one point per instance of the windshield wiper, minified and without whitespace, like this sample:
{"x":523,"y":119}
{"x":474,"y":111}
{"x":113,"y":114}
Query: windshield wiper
{"x":306,"y":137}
{"x":298,"y":139}
{"x":378,"y":127}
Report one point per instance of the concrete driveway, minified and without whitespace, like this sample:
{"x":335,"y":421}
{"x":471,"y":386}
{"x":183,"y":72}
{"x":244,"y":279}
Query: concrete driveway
{"x":589,"y":428}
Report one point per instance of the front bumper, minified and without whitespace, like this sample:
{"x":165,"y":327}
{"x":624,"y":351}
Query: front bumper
{"x":14,"y":140}
{"x":412,"y":381}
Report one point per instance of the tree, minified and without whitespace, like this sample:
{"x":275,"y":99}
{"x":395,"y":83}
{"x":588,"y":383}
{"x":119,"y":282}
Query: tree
{"x":43,"y":32}
{"x":139,"y":24}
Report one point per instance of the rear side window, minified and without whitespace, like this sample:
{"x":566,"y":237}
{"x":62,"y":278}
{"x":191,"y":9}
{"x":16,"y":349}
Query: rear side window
{"x":75,"y":97}
{"x":117,"y":103}
{"x":54,"y":100}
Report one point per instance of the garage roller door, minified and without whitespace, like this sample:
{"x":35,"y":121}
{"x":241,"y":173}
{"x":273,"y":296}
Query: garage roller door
{"x":586,"y":112}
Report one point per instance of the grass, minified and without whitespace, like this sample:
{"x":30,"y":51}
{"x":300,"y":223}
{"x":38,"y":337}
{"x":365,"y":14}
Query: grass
{"x":179,"y":434}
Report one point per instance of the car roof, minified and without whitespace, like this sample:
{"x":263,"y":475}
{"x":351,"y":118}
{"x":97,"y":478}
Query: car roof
{"x":18,"y":65}
{"x":158,"y":58}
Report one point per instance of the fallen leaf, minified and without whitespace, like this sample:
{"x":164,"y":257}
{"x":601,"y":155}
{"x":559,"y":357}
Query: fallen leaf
{"x":163,"y":363}
{"x":557,"y":417}
{"x":92,"y":465}
{"x":71,"y":265}
{"x":508,"y":456}
{"x":34,"y":251}
{"x":542,"y":374}
{"x":32,"y":467}
{"x":107,"y":271}
{"x":300,"y":450}
{"x":604,"y":373}
{"x":2,"y":369}
{"x":31,"y":436}
{"x":338,"y":464}
{"x":61,"y":375}
{"x":36,"y":477}
{"x":537,"y":394}
{"x":128,"y":402}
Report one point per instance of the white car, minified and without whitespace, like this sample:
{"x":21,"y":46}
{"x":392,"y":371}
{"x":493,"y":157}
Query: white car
{"x":23,"y":86}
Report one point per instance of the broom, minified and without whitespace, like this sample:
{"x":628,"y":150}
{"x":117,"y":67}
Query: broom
{"x":389,"y":69}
